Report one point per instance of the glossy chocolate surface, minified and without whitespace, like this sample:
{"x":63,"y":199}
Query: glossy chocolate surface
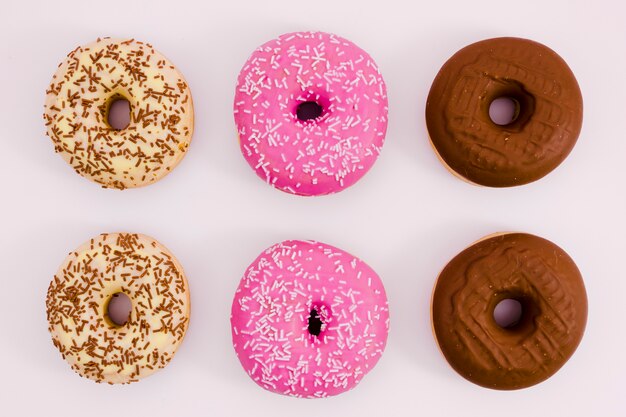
{"x":523,"y":267}
{"x":548,"y":113}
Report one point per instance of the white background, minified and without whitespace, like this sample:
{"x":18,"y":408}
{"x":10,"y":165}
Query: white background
{"x":406,"y":218}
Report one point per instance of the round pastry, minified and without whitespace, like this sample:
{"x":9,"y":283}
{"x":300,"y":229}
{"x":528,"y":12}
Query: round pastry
{"x":80,"y":95}
{"x":309,"y":320}
{"x":311,"y":112}
{"x":77,"y":308}
{"x":536,"y":273}
{"x":546,"y":122}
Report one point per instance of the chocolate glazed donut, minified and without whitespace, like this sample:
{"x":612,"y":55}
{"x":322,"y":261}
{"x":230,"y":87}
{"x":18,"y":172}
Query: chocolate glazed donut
{"x":546,"y":122}
{"x":529,"y":269}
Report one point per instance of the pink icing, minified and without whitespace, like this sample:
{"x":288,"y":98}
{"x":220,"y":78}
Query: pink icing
{"x":271,"y":327}
{"x":322,"y":155}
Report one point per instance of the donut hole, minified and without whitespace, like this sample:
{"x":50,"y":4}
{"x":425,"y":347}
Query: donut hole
{"x":309,"y":110}
{"x":508,"y":313}
{"x":119,"y":308}
{"x":508,"y":105}
{"x":118,"y":115}
{"x":504,"y":110}
{"x":315,"y":323}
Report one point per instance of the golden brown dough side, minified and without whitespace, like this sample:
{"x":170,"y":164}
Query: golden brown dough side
{"x":524,"y":267}
{"x":546,"y":125}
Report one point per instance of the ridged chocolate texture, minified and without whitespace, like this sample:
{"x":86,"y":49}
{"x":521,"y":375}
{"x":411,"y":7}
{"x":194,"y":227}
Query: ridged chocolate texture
{"x":529,"y":269}
{"x":549,"y":112}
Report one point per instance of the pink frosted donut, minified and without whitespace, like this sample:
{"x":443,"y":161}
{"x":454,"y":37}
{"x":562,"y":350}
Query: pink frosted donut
{"x":309,"y":320}
{"x":311,"y":112}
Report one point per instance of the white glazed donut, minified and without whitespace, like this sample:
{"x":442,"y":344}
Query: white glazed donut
{"x":77,"y":308}
{"x":77,"y":105}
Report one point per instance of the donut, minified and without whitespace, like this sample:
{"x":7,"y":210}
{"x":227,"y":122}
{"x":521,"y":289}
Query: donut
{"x":546,"y":122}
{"x":531,"y":270}
{"x":77,"y":308}
{"x":309,"y":320}
{"x":311,"y":112}
{"x":77,"y":105}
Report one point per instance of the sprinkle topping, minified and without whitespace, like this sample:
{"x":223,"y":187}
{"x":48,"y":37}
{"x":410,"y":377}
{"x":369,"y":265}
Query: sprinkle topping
{"x":309,"y":320}
{"x":330,"y":151}
{"x":77,"y":106}
{"x":78,"y":298}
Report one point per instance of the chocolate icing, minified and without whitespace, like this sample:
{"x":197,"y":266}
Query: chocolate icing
{"x":549,"y":112}
{"x":527,"y":268}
